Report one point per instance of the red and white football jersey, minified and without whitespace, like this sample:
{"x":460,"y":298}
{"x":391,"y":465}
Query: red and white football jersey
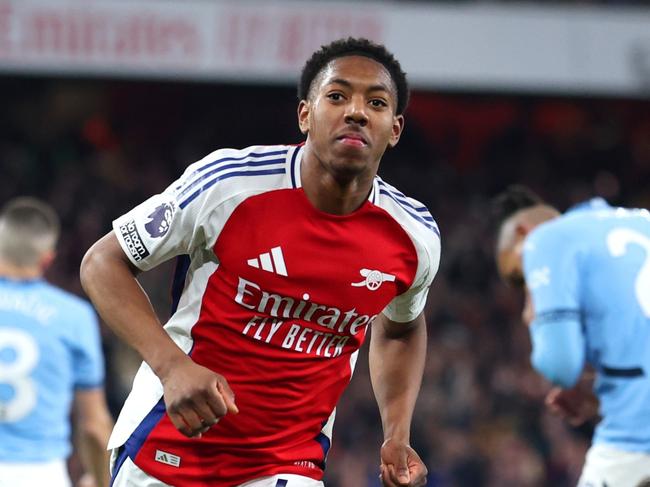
{"x":277,"y":298}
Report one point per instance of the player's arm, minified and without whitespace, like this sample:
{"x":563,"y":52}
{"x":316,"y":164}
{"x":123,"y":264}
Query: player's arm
{"x":551,"y":269}
{"x":109,"y":279}
{"x":195,"y":397}
{"x":93,"y":424}
{"x":397,"y":356}
{"x":558,"y":347}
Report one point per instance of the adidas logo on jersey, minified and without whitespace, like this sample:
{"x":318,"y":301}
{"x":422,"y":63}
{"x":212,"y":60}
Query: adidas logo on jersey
{"x":168,"y":458}
{"x":270,"y":261}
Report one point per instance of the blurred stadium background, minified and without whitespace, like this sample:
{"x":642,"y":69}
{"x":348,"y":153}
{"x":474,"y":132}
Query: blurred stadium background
{"x":105,"y":102}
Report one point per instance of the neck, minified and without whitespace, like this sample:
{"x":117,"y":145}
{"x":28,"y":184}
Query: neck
{"x":20,"y":273}
{"x":329,"y":191}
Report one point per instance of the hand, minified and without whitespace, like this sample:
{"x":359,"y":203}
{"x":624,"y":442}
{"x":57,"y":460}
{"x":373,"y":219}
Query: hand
{"x":196,"y":397}
{"x":401,"y":466}
{"x":574,"y":405}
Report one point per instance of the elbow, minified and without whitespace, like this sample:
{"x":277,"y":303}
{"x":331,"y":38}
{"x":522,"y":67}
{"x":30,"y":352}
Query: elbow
{"x":562,"y":368}
{"x":89,"y":266}
{"x":102,"y":259}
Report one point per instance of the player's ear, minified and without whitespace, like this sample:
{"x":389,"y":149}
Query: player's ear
{"x":46,"y":259}
{"x":522,"y":229}
{"x":398,"y":127}
{"x":304,"y":108}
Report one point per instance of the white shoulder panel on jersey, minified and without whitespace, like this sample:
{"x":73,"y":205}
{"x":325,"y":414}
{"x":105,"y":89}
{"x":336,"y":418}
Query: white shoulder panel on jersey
{"x":188,"y":216}
{"x":420,"y":226}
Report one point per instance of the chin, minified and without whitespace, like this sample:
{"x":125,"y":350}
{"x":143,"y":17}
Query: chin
{"x":351,"y":156}
{"x":349,"y":166}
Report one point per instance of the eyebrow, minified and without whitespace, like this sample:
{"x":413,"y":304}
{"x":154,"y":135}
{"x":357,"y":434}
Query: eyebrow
{"x":344,"y":82}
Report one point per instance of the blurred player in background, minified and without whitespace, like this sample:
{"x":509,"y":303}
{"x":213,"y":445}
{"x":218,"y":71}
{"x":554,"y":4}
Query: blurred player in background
{"x":50,"y":360}
{"x":293,"y":252}
{"x":587,"y":280}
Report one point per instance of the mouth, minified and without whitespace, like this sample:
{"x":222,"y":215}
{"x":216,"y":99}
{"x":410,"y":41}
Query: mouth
{"x":353,"y":140}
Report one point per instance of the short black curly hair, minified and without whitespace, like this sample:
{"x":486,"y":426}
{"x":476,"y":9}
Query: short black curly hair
{"x":354,"y":47}
{"x":515,"y":197}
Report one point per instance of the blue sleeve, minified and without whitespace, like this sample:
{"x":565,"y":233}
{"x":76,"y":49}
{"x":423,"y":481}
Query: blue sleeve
{"x":551,"y":268}
{"x":87,"y":353}
{"x":558,"y":349}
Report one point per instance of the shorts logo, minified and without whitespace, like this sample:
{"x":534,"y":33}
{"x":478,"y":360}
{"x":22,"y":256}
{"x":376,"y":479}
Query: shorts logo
{"x":373,"y":279}
{"x":133,"y":241}
{"x":168,"y":458}
{"x":160,"y":219}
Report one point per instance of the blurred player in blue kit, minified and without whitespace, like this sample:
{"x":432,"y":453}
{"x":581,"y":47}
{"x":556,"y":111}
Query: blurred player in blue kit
{"x":586,"y":274}
{"x":50,"y":359}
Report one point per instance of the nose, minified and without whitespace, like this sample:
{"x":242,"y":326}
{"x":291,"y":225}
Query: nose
{"x":355,"y":111}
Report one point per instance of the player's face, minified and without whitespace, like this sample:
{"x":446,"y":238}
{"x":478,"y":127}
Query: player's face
{"x":350,"y":115}
{"x":510,"y":265}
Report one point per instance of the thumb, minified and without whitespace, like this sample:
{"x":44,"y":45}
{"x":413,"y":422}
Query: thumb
{"x":402,"y":469}
{"x":228,"y":397}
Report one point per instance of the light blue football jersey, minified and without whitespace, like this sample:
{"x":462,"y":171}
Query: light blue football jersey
{"x":592,"y":265}
{"x":49,"y":346}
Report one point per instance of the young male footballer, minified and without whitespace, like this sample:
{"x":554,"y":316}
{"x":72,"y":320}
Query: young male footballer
{"x":292,"y":253}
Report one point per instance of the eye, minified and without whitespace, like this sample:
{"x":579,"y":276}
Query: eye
{"x":517,"y":281}
{"x":335,"y":96}
{"x":378,"y":103}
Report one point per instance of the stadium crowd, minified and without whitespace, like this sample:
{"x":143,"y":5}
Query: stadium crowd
{"x":94,"y":149}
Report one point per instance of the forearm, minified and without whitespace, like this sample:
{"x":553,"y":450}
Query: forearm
{"x":111,"y":285}
{"x":93,"y":424}
{"x":396,"y":367}
{"x":558,"y":350}
{"x":94,"y":455}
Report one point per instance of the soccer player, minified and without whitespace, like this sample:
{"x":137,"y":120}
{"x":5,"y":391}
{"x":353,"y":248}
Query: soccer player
{"x":50,"y":359}
{"x":587,"y":279}
{"x":293,"y":252}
